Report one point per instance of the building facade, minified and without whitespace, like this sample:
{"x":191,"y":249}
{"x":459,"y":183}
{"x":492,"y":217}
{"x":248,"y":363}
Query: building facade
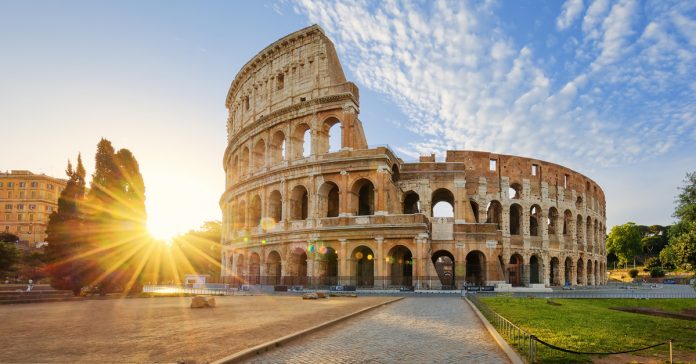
{"x":27,"y":200}
{"x":298,"y":211}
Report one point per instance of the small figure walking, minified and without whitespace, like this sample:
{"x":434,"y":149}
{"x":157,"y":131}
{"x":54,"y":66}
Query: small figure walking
{"x":30,"y":285}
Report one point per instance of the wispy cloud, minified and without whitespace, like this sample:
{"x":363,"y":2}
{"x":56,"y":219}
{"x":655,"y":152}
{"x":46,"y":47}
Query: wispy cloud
{"x":572,"y":9}
{"x":466,"y":84}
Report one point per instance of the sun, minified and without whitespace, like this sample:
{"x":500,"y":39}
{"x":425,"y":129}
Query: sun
{"x":161,"y":230}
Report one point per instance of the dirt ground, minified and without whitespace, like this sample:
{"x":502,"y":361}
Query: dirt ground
{"x":157,"y":330}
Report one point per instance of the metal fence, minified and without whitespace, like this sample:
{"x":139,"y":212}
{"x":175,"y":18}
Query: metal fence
{"x":531,"y":346}
{"x":209,"y":289}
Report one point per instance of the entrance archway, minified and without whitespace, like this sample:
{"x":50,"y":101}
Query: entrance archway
{"x":534,"y":270}
{"x":273,"y":268}
{"x":444,"y":266}
{"x":569,"y":271}
{"x":364,"y":266}
{"x":328,"y":267}
{"x":475,"y":268}
{"x":515,"y":269}
{"x":400,"y":262}
{"x":297,"y":268}
{"x":555,"y":274}
{"x":254,"y":269}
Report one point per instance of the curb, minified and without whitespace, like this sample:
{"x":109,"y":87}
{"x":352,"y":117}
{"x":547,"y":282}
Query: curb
{"x":258,"y":349}
{"x":507,"y":349}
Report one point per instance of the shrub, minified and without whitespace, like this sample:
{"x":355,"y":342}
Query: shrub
{"x":652,"y":262}
{"x":656,"y":272}
{"x":633,"y":273}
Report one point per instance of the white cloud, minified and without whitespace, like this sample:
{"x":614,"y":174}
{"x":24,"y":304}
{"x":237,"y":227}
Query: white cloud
{"x":571,"y":11}
{"x":465,"y":84}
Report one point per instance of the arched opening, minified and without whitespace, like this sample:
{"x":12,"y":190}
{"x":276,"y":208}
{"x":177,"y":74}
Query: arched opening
{"x":255,"y":211}
{"x":534,"y":219}
{"x":567,"y":221}
{"x":400,"y":263}
{"x":568,"y":274}
{"x":515,"y":191}
{"x":494,"y":213}
{"x":581,"y":272}
{"x":275,"y":206}
{"x":327,"y":266}
{"x":277,"y":147}
{"x":254,"y":269}
{"x":598,"y":271}
{"x":475,"y":268}
{"x":297,"y":268}
{"x":273,"y":268}
{"x":443,"y":203}
{"x":259,"y":154}
{"x":395,"y":175}
{"x":244,"y":162}
{"x":534,"y":270}
{"x":444,"y":266}
{"x":299,"y":202}
{"x":475,"y":210}
{"x":578,"y":203}
{"x":241,"y":215}
{"x":301,"y":141}
{"x":551,"y":221}
{"x":588,"y":234}
{"x":590,"y":276}
{"x":331,"y":136}
{"x":515,"y":219}
{"x":515,"y":270}
{"x":363,"y":197}
{"x":364,"y":263}
{"x":241,"y":267}
{"x":411,"y":203}
{"x":554,"y":272}
{"x":328,"y":199}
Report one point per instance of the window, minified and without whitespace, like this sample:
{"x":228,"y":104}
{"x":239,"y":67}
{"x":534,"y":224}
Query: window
{"x":492,"y":165}
{"x":535,"y":169}
{"x":22,"y":184}
{"x":34,"y":184}
{"x":32,"y":207}
{"x":8,"y":206}
{"x":19,"y":217}
{"x":565,"y":181}
{"x":50,"y":186}
{"x":49,"y":208}
{"x":246,"y":103}
{"x":0,"y":184}
{"x":10,"y":184}
{"x":20,"y":206}
{"x":280,"y":82}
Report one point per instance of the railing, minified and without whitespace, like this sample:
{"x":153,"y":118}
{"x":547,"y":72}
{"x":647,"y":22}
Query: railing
{"x":530,"y":346}
{"x":513,"y":334}
{"x":209,"y":289}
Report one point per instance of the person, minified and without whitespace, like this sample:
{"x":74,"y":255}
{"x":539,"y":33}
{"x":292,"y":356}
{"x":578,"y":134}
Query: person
{"x":30,"y":285}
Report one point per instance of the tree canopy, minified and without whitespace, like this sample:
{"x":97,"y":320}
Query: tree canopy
{"x":624,"y":241}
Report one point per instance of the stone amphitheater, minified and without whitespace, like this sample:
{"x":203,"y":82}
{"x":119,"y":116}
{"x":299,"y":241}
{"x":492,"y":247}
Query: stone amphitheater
{"x":308,"y":202}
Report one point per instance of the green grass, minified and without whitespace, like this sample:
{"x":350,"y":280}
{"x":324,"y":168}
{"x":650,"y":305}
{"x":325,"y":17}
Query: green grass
{"x":589,"y":325}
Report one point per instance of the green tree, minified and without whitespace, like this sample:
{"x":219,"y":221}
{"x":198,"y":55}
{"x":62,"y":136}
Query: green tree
{"x":116,"y":219}
{"x":9,"y":256}
{"x":681,"y":250}
{"x":65,"y":237}
{"x":624,"y":241}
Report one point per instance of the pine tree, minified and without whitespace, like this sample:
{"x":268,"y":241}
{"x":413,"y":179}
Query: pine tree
{"x":65,"y":234}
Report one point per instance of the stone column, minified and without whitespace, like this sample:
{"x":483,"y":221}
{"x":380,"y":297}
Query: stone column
{"x":343,"y":273}
{"x":379,"y":262}
{"x":526,"y":270}
{"x":545,"y":270}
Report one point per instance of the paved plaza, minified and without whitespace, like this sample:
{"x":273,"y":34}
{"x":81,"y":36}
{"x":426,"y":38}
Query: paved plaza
{"x":413,"y":330}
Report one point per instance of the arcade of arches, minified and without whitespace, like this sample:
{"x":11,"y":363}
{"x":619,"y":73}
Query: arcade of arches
{"x":308,"y":202}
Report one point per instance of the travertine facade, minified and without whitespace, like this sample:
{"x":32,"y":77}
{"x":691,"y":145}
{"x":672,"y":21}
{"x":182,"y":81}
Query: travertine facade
{"x":297,"y":212}
{"x":27,"y":200}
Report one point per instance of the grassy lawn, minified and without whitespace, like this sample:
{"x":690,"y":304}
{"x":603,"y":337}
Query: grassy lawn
{"x":589,"y":325}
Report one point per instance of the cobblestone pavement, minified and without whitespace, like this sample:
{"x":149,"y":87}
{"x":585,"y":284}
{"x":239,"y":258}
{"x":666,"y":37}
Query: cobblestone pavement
{"x":413,"y":330}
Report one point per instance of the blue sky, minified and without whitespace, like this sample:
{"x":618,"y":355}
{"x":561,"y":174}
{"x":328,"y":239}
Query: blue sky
{"x":604,"y":87}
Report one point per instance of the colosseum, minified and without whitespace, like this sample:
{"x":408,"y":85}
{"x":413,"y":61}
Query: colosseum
{"x":301,"y":210}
